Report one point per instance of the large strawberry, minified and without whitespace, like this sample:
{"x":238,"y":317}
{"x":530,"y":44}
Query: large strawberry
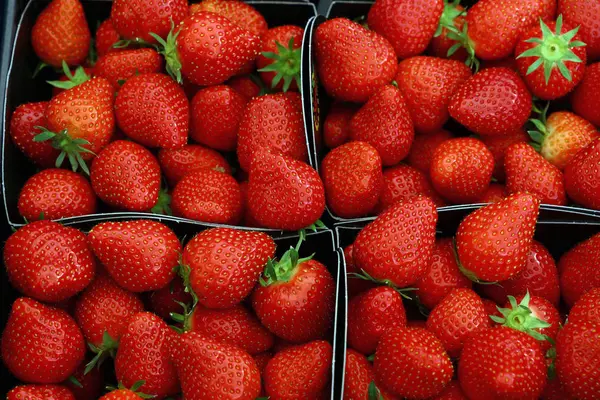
{"x":587,"y":308}
{"x":359,"y":378}
{"x":117,"y":67}
{"x":402,"y":182}
{"x":219,"y":256}
{"x":48,"y":261}
{"x":497,"y":145}
{"x":23,"y":123}
{"x":106,"y":38}
{"x":582,"y":13}
{"x":582,"y":181}
{"x":279,"y":58}
{"x":352,"y":75}
{"x":177,"y":163}
{"x":336,"y":128}
{"x":40,"y":392}
{"x":423,"y":148}
{"x":140,"y":255}
{"x":384,"y":122}
{"x":482,"y":103}
{"x":398,"y":245}
{"x":238,"y":12}
{"x":584,"y":100}
{"x":493,"y":242}
{"x":61,"y":33}
{"x":577,"y":270}
{"x":41,"y":344}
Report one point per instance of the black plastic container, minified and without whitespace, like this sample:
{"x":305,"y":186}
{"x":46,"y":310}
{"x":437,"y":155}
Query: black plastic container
{"x":21,"y":88}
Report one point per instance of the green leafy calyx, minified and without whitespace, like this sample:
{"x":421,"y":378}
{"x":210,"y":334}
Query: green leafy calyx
{"x":283,"y":270}
{"x":73,"y":79}
{"x":108,"y":348}
{"x":286,"y":65}
{"x":451,"y":12}
{"x":520,"y":317}
{"x":69,"y":148}
{"x":168,"y":48}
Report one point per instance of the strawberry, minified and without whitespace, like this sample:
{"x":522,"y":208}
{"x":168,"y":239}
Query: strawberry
{"x":134,"y":19}
{"x":41,"y":344}
{"x":493,"y":243}
{"x":216,"y":113}
{"x":444,"y":43}
{"x":423,"y":147}
{"x":177,"y":163}
{"x":577,"y":269}
{"x":209,"y":196}
{"x":491,"y":308}
{"x":371,"y":314}
{"x":502,"y":363}
{"x":402,"y":182}
{"x":428,"y":84}
{"x":106,"y":38}
{"x":451,"y":392}
{"x":279,"y":58}
{"x":581,"y":13}
{"x":61,"y":33}
{"x":282,"y":114}
{"x":587,"y":308}
{"x":48,"y":261}
{"x":497,"y":145}
{"x":139,"y":255}
{"x":236,"y":326}
{"x":262,"y":360}
{"x":23,"y":130}
{"x":493,"y":194}
{"x":352,"y":62}
{"x":219,"y":256}
{"x":86,"y":386}
{"x":336,"y":128}
{"x":126,"y":175}
{"x":121,"y":394}
{"x":557,"y":47}
{"x":245,"y":85}
{"x":492,"y":102}
{"x":384,"y":122}
{"x":238,"y":12}
{"x":163,"y":302}
{"x":527,"y":171}
{"x":584,"y":100}
{"x":408,"y":25}
{"x":356,"y":285}
{"x":40,"y":392}
{"x":442,"y":275}
{"x":411,"y":362}
{"x":117,"y":67}
{"x":284,"y":193}
{"x":578,"y":359}
{"x":461,"y":169}
{"x":208,"y":369}
{"x":397,"y":246}
{"x":144,"y":355}
{"x":555,"y":391}
{"x":581,"y":181}
{"x":359,"y":378}
{"x":300,"y":372}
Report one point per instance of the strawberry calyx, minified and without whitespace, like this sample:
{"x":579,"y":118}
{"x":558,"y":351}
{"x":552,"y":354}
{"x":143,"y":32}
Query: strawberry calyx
{"x":384,"y":282}
{"x":314,"y":228}
{"x":450,"y":13}
{"x":168,"y":48}
{"x":551,"y":358}
{"x":540,"y":133}
{"x":284,"y":269}
{"x":163,"y":204}
{"x":108,"y":348}
{"x":185,"y":318}
{"x":69,"y":148}
{"x":286,"y":65}
{"x":72,"y":380}
{"x":553,"y":49}
{"x":134,"y":388}
{"x":462,"y":40}
{"x":73,"y":80}
{"x":521,"y":318}
{"x":373,"y":392}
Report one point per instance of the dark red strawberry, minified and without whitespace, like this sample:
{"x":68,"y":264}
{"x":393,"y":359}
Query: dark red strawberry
{"x":356,"y":285}
{"x":577,"y":269}
{"x":336,"y":128}
{"x":497,"y":145}
{"x":106,"y":38}
{"x":403,"y":182}
{"x":163,"y":302}
{"x":493,"y":194}
{"x":238,"y":12}
{"x":279,"y":58}
{"x":587,"y":308}
{"x":452,"y":391}
{"x":584,"y":100}
{"x":359,"y":378}
{"x":245,"y":85}
{"x":177,"y":163}
{"x":23,"y":130}
{"x":86,"y":386}
{"x":582,"y":182}
{"x":40,"y":392}
{"x":582,"y":13}
{"x":121,"y":394}
{"x":118,"y":67}
{"x":262,"y":360}
{"x":423,"y":148}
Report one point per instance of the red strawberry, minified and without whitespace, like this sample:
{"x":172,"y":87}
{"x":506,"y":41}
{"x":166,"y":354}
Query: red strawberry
{"x":279,"y":58}
{"x":577,"y":269}
{"x":587,"y":308}
{"x":23,"y":129}
{"x":167,"y":300}
{"x":353,"y":179}
{"x":126,"y":175}
{"x":371,"y":314}
{"x":336,"y":128}
{"x":444,"y":43}
{"x":492,"y":102}
{"x":502,"y":363}
{"x":61,"y":33}
{"x":493,"y":194}
{"x":555,"y":391}
{"x":582,"y":13}
{"x":352,"y":62}
{"x":209,"y":196}
{"x":48,"y":261}
{"x":236,"y":326}
{"x":284,"y":193}
{"x":581,"y":177}
{"x":244,"y":85}
{"x":300,"y":372}
{"x":208,"y":369}
{"x":106,"y":38}
{"x":398,"y":245}
{"x":117,"y":67}
{"x":140,"y":255}
{"x":41,"y":344}
{"x":273,"y":123}
{"x":461,"y":169}
{"x":40,"y":392}
{"x":497,"y":145}
{"x":423,"y":147}
{"x":451,"y":392}
{"x":134,"y":19}
{"x":384,"y":122}
{"x":428,"y":84}
{"x":359,"y":378}
{"x":355,"y":285}
{"x":216,"y":115}
{"x":121,"y":394}
{"x":402,"y":182}
{"x":493,"y":243}
{"x":262,"y":360}
{"x":408,"y":25}
{"x":86,"y":386}
{"x":177,"y":163}
{"x":411,"y":362}
{"x":238,"y":12}
{"x":219,"y":256}
{"x":491,"y":308}
{"x":584,"y":99}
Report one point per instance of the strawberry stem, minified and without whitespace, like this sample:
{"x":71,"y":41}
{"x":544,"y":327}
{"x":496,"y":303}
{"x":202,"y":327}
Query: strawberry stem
{"x":385,"y":282}
{"x":314,"y":227}
{"x":462,"y":40}
{"x":107,"y":348}
{"x":184,"y":271}
{"x":374,"y":392}
{"x":69,"y":148}
{"x":539,"y":134}
{"x":286,"y":65}
{"x":521,"y":318}
{"x":163,"y":204}
{"x":284,"y":269}
{"x":168,"y":48}
{"x":73,"y":80}
{"x":450,"y":13}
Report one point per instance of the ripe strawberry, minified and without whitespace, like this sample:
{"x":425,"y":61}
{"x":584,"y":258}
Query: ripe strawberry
{"x":461,"y":169}
{"x":209,"y":196}
{"x":356,"y":285}
{"x":215,"y":117}
{"x":279,"y":58}
{"x":236,"y":326}
{"x":577,"y":269}
{"x":452,"y":391}
{"x":86,"y":386}
{"x":492,"y":102}
{"x":398,"y":245}
{"x":177,"y":163}
{"x":284,"y":193}
{"x":61,"y":33}
{"x":493,"y":243}
{"x":403,"y":182}
{"x":442,"y":275}
{"x":444,"y":43}
{"x":48,"y":261}
{"x":503,"y":352}
{"x":581,"y":13}
{"x":555,"y":391}
{"x":557,"y":47}
{"x":40,"y":392}
{"x":497,"y":145}
{"x":121,"y":394}
{"x":23,"y":129}
{"x":352,"y":62}
{"x":359,"y":378}
{"x":106,"y":38}
{"x":493,"y":194}
{"x":244,"y":85}
{"x":134,"y":19}
{"x":140,"y":255}
{"x":167,"y":300}
{"x":238,"y":12}
{"x":581,"y":182}
{"x":428,"y":84}
{"x":584,"y":99}
{"x":219,"y":256}
{"x":371,"y":314}
{"x":41,"y":344}
{"x":411,"y":362}
{"x":408,"y":25}
{"x":336,"y":128}
{"x":491,"y":308}
{"x":117,"y":67}
{"x":300,"y":372}
{"x":587,"y":308}
{"x":423,"y":147}
{"x":384,"y":122}
{"x":208,"y":369}
{"x":126,"y":175}
{"x":282,"y":114}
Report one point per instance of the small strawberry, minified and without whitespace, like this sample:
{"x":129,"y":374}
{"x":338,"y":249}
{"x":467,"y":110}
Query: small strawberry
{"x":384,"y":122}
{"x":279,"y":58}
{"x":352,"y":75}
{"x":497,"y":145}
{"x":493,"y":194}
{"x":40,"y":392}
{"x":336,"y":128}
{"x":444,"y":43}
{"x":41,"y":344}
{"x":106,"y":38}
{"x":356,"y":285}
{"x":122,"y":394}
{"x":245,"y":85}
{"x":48,"y":261}
{"x":577,"y":269}
{"x":23,"y":123}
{"x":177,"y":163}
{"x":117,"y":67}
{"x":238,"y":12}
{"x":587,"y":308}
{"x":163,"y":302}
{"x":359,"y":378}
{"x":584,"y":99}
{"x":423,"y":148}
{"x":581,"y":177}
{"x":582,"y":13}
{"x":403,"y":182}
